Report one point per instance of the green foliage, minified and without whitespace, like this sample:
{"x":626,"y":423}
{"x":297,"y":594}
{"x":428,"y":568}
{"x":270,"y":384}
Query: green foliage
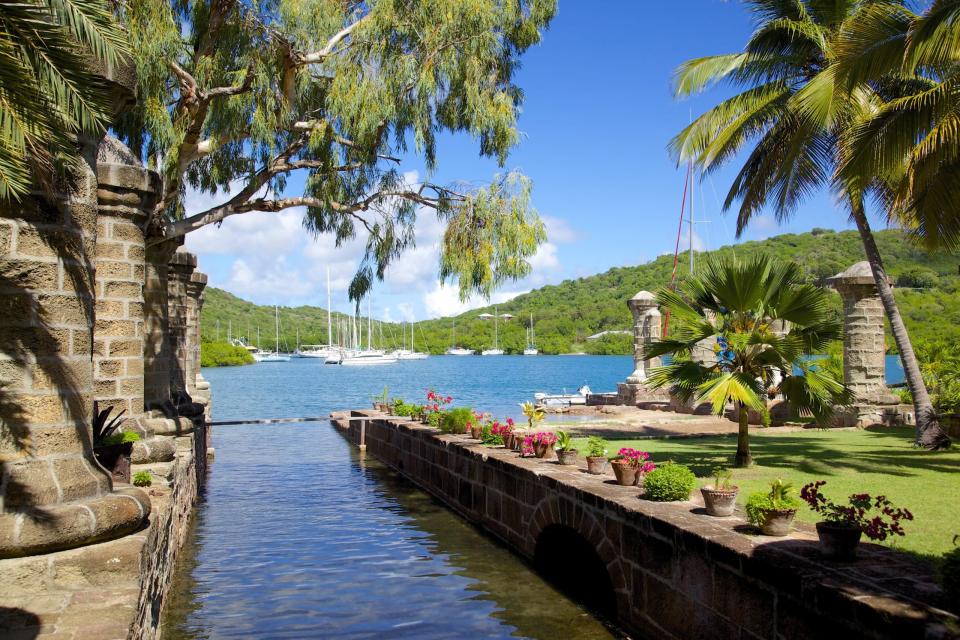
{"x":721,"y":478}
{"x":48,"y":93}
{"x":223,"y":354}
{"x":669,"y":482}
{"x":564,"y":441}
{"x":456,"y":420}
{"x":779,"y":498}
{"x":940,"y":368}
{"x":404,"y":409}
{"x":121,"y":437}
{"x":918,"y":278}
{"x":534,"y":414}
{"x":142,"y":479}
{"x":436,"y":418}
{"x":596,"y":447}
{"x":565,"y":314}
{"x":331,"y":95}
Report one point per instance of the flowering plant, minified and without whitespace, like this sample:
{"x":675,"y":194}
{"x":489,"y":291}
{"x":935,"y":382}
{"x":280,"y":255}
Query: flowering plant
{"x":540,"y":439}
{"x":634,"y":458}
{"x":857,"y":513}
{"x":436,"y":402}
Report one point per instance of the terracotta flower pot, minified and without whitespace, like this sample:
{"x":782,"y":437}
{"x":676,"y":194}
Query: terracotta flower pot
{"x":476,"y":432}
{"x":508,"y":440}
{"x":777,"y":523}
{"x":568,"y":456}
{"x":596,"y":464}
{"x":541,"y":450}
{"x":115,"y":458}
{"x":719,"y":502}
{"x":518,"y":440}
{"x":627,"y":474}
{"x":839,"y":541}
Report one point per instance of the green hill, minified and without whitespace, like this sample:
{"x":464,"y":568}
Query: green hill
{"x":565,"y":314}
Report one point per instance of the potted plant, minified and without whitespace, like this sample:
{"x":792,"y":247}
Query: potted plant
{"x":669,"y":483}
{"x":476,"y":426}
{"x":596,"y":455}
{"x":721,"y":497}
{"x":380,"y":402}
{"x":773,"y":511}
{"x":630,"y":465}
{"x":842,"y":525}
{"x":566,"y":454}
{"x":112,"y":448}
{"x":540,"y":443}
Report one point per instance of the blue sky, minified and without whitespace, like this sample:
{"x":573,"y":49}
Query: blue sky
{"x":596,"y":121}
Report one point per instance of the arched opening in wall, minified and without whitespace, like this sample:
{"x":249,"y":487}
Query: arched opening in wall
{"x":570,"y":562}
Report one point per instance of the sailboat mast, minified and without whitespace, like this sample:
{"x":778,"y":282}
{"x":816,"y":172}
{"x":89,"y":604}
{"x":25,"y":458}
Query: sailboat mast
{"x":691,"y":223}
{"x":329,"y":312}
{"x":276,"y":315}
{"x":496,"y":328}
{"x":369,"y":343}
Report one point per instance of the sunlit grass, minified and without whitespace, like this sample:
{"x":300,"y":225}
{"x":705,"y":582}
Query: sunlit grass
{"x":867,"y":461}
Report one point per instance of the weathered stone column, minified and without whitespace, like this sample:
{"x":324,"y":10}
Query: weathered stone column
{"x":195,"y":289}
{"x":54,"y":494}
{"x":156,"y":344}
{"x":864,"y":347}
{"x":182,"y":266}
{"x":646,"y":330}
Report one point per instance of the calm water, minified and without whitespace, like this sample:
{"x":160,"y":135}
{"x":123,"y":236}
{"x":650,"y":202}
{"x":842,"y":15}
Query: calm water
{"x":297,"y":537}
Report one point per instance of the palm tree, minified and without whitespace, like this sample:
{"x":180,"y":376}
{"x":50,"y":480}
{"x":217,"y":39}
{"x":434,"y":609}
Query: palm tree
{"x":48,"y":94}
{"x":764,"y":319}
{"x":795,"y":111}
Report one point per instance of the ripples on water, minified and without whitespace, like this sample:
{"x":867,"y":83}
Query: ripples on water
{"x":298,"y":537}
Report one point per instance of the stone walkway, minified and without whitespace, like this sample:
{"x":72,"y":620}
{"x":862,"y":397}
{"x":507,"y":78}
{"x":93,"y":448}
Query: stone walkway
{"x":618,"y":422}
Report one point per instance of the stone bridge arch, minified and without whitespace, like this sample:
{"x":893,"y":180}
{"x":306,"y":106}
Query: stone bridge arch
{"x":563,"y":531}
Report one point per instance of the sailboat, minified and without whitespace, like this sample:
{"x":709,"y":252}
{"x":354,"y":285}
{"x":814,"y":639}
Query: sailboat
{"x":275,"y":355}
{"x":368,"y":356}
{"x":324,"y":351}
{"x":412,"y":353}
{"x":531,"y":349}
{"x":496,"y":351}
{"x":454,"y":350}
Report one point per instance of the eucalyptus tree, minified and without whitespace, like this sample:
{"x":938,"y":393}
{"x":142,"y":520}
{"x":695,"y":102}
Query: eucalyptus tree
{"x":251,"y":100}
{"x":793,"y":113}
{"x":48,"y":95}
{"x":763,"y":319}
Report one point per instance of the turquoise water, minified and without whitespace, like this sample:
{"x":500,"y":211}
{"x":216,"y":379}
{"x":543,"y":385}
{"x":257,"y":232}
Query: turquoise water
{"x":297,"y":536}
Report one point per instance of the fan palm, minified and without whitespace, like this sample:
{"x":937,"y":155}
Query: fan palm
{"x":795,"y":112}
{"x":763,"y":319}
{"x":48,"y":95}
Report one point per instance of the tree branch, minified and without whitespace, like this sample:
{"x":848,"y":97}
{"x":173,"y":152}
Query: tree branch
{"x":323,"y":54}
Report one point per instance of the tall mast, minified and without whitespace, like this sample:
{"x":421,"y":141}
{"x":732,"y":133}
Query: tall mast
{"x":329,"y":313}
{"x":369,"y":343}
{"x":276,"y":316}
{"x":496,"y":328}
{"x":691,"y":223}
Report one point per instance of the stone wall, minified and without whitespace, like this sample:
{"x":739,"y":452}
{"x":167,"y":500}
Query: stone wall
{"x":676,"y":573}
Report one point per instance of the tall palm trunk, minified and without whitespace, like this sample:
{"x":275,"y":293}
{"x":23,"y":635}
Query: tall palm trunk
{"x":743,"y":457}
{"x":929,"y":434}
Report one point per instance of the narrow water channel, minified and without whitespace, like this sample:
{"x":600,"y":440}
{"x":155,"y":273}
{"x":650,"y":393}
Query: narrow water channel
{"x":298,"y":536}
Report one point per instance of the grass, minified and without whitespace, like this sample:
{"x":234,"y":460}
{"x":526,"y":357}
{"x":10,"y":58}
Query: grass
{"x":866,"y":461}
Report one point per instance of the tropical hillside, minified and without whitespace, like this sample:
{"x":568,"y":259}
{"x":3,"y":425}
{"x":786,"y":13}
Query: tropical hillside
{"x":565,"y":315}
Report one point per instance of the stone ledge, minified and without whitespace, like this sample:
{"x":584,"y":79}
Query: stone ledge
{"x":784,"y":581}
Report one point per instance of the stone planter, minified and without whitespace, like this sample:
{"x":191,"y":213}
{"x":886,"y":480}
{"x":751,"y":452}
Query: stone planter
{"x":541,"y":450}
{"x":627,"y":474}
{"x":839,"y":541}
{"x":777,"y":522}
{"x":596,"y":464}
{"x":719,"y":502}
{"x":567,"y":456}
{"x":115,"y":458}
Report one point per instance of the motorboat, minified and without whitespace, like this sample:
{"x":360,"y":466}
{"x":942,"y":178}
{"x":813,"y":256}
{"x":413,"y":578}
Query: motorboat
{"x":492,"y":352}
{"x":563,"y":399}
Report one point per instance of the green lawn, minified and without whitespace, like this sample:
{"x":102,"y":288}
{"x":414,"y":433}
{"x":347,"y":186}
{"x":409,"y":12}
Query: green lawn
{"x":867,"y":461}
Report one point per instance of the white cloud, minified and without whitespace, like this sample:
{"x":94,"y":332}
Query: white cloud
{"x":764,"y":226}
{"x":559,"y":230}
{"x":445,"y":300}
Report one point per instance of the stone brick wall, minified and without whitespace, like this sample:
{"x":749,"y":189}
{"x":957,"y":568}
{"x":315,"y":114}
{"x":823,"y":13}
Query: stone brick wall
{"x":676,"y":573}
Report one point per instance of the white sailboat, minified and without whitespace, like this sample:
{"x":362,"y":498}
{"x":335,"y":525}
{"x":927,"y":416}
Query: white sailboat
{"x":454,"y":350}
{"x":368,"y":356}
{"x":531,"y":349}
{"x":496,"y":351}
{"x":412,"y":353}
{"x":324,"y":351}
{"x":275,"y":355}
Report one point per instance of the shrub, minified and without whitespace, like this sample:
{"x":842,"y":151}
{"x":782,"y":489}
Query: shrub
{"x":223,"y":354}
{"x":779,"y":498}
{"x":456,"y":420}
{"x":669,"y":482}
{"x":434,"y":418}
{"x":142,"y":479}
{"x":404,"y":409}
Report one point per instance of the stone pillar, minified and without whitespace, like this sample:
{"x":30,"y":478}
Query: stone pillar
{"x":157,"y":354}
{"x":864,"y":347}
{"x":646,"y":330}
{"x":195,"y":288}
{"x":182,"y":266}
{"x":127,"y":193}
{"x":54,"y":494}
